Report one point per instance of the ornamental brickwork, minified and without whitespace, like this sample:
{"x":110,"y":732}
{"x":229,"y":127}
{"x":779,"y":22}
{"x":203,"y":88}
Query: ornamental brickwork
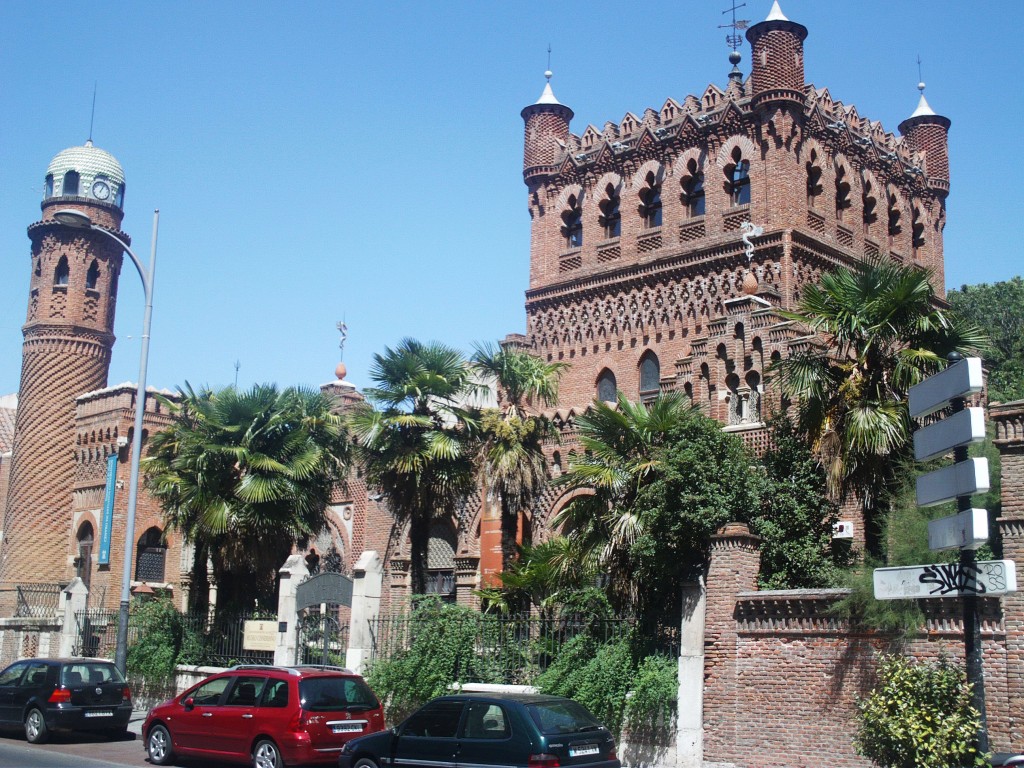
{"x":827,"y":186}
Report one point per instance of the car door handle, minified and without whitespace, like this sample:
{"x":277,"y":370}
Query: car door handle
{"x":207,"y":714}
{"x":247,"y":716}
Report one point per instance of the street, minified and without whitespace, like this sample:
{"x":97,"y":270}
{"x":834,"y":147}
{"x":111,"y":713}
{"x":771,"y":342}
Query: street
{"x":78,"y":750}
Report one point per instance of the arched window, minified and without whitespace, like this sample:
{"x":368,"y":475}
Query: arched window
{"x":83,"y":563}
{"x":441,"y":561}
{"x":62,"y":272}
{"x":611,"y":214}
{"x":650,"y":376}
{"x":119,"y":195}
{"x":92,"y":276}
{"x":572,"y":223}
{"x":870,"y":206}
{"x":917,"y":230}
{"x":693,"y":190}
{"x":556,"y":464}
{"x":842,"y":192}
{"x":151,"y":556}
{"x":70,"y":183}
{"x":606,"y":386}
{"x":48,"y":186}
{"x":895,"y":226}
{"x":813,"y":179}
{"x":738,"y":173}
{"x":650,"y":202}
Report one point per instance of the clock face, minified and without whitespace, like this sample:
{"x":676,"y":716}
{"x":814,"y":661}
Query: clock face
{"x":101,"y":189}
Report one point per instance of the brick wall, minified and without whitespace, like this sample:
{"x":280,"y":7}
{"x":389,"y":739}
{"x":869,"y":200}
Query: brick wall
{"x":782,"y":675}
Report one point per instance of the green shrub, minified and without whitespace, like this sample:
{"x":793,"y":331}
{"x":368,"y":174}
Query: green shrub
{"x":652,"y":706}
{"x":442,"y":651}
{"x":159,"y":631}
{"x":918,"y":716}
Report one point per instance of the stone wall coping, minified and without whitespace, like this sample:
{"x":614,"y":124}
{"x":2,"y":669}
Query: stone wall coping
{"x":794,"y":594}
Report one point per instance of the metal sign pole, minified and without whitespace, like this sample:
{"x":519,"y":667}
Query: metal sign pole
{"x":971,"y":616}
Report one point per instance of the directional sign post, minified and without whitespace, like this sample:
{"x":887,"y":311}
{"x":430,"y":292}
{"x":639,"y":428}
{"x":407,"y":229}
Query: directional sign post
{"x":968,"y":579}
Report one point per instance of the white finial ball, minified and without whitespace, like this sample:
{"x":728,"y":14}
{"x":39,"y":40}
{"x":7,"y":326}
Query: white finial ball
{"x":920,"y":87}
{"x":548,"y":74}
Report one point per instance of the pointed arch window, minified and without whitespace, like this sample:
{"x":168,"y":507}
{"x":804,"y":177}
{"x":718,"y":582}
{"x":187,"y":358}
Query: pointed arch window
{"x":869,"y":203}
{"x":62,"y":273}
{"x":83,"y":563}
{"x":92,"y":276}
{"x":813,"y":179}
{"x":48,"y":186}
{"x":611,"y":213}
{"x":650,"y":376}
{"x":917,"y":230}
{"x":693,"y":190}
{"x":70,"y":183}
{"x":895,"y":225}
{"x":650,"y":202}
{"x":606,"y":386}
{"x":738,"y":174}
{"x":151,"y":556}
{"x":441,"y":561}
{"x":842,"y":192}
{"x":572,"y":223}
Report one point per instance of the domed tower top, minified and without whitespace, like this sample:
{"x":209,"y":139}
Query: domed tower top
{"x":85,"y":172}
{"x":547,"y":128}
{"x":928,"y":133}
{"x":777,"y":63}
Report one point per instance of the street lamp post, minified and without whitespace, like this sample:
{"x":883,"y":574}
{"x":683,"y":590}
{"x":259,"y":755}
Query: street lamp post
{"x":80,"y":220}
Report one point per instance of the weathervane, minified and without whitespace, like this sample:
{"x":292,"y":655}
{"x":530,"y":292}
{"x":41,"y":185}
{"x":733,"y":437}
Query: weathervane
{"x":343,"y":330}
{"x":734,"y":39}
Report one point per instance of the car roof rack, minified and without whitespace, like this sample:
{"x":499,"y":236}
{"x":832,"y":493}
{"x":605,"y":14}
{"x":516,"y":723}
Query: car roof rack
{"x":293,"y":669}
{"x":326,"y":667}
{"x":289,"y":670}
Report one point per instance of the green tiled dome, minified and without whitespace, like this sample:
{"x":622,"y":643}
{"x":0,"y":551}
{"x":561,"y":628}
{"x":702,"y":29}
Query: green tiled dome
{"x":91,"y":164}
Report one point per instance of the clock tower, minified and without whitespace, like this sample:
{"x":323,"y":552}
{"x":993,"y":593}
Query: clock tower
{"x":68,"y":337}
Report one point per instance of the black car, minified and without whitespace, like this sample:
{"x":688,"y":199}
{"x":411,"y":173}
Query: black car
{"x":44,"y":695}
{"x":504,"y":729}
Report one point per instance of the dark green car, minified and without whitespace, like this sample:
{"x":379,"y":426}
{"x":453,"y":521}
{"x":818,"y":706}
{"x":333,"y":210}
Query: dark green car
{"x":476,"y":730}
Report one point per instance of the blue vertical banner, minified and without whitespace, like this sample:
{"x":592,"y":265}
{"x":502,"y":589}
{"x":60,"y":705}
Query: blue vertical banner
{"x":108,"y":510}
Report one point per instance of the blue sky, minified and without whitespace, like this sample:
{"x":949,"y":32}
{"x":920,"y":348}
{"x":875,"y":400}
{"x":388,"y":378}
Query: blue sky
{"x":314,"y":161}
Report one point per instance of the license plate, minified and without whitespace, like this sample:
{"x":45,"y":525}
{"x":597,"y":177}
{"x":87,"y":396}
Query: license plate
{"x":351,"y":727}
{"x":583,"y":749}
{"x":100,"y":713}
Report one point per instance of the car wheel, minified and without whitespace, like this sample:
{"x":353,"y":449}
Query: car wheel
{"x":266,"y":755}
{"x":158,"y":745}
{"x":35,"y":727}
{"x":365,"y":762}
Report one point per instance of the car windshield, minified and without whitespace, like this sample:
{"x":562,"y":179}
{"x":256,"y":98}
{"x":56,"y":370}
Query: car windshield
{"x":89,"y":673}
{"x":324,"y":694}
{"x":561,"y":716}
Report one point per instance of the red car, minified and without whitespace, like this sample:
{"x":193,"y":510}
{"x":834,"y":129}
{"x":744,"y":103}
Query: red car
{"x":267,"y":716}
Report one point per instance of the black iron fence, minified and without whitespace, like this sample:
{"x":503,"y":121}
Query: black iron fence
{"x":38,"y":600}
{"x":212,"y":641}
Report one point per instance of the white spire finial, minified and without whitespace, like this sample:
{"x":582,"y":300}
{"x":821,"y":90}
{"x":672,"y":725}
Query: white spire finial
{"x":776,"y":13}
{"x":548,"y":96}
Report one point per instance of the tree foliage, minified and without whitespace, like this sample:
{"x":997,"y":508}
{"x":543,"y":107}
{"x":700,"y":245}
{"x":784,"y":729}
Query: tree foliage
{"x":245,"y":476}
{"x":512,"y":465}
{"x":416,"y":440}
{"x":918,"y":716}
{"x":795,"y":518}
{"x":883,"y":332}
{"x":998,"y":307}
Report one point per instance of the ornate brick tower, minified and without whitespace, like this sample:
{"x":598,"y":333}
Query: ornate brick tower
{"x":664,"y":246}
{"x":68,"y":340}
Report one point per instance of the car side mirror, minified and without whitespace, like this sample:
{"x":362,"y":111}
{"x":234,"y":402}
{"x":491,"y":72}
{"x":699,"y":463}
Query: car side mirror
{"x":189,"y":703}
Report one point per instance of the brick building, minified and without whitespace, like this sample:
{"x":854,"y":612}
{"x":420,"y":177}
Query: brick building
{"x":68,"y":422}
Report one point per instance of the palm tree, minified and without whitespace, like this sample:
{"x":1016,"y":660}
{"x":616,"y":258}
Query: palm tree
{"x":245,"y":476}
{"x":884,"y":331}
{"x":622,"y":445}
{"x":417,"y":444}
{"x":512,"y":456}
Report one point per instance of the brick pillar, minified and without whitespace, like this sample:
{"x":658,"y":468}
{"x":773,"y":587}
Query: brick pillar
{"x":735,"y":561}
{"x":1009,"y":423}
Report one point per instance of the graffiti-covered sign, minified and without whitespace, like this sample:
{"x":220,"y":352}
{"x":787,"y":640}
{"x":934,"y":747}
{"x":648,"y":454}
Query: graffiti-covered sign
{"x":989,"y":578}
